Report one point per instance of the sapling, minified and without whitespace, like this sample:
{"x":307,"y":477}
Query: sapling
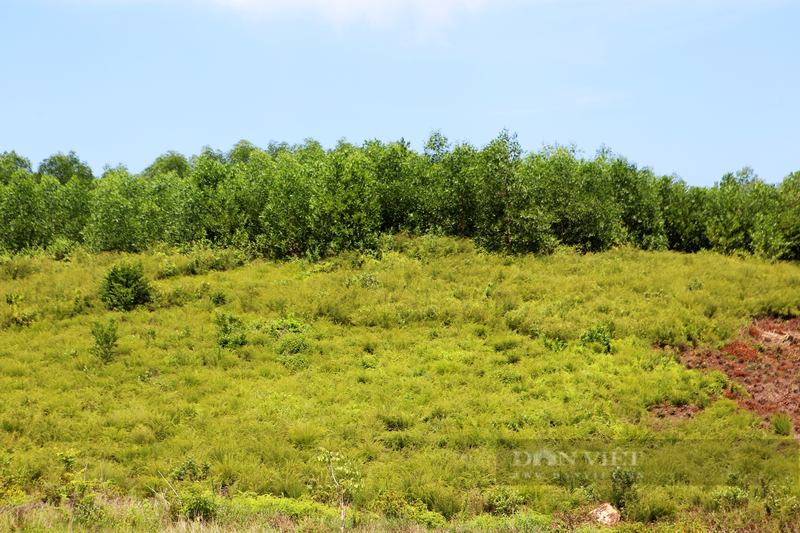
{"x":105,"y":339}
{"x":345,"y":478}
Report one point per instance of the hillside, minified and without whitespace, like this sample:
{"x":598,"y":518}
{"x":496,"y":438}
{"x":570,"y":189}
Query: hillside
{"x":419,"y":364}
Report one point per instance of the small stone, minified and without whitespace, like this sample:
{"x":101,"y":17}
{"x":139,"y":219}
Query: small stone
{"x":606,"y":515}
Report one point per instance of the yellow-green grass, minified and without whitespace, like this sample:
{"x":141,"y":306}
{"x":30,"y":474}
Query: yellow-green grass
{"x":416,"y":366}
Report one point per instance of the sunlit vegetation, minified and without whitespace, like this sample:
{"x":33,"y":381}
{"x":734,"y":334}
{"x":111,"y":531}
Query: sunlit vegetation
{"x":304,"y":201}
{"x":230,"y":387}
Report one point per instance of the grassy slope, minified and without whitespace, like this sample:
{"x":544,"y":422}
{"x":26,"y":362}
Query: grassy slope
{"x":417,"y":366}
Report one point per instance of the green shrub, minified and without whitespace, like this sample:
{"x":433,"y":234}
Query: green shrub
{"x":622,"y":486}
{"x":286,"y":324}
{"x":502,"y":500}
{"x":695,"y":284}
{"x":17,"y":268}
{"x":218,"y":297}
{"x":203,"y":261}
{"x":199,"y":504}
{"x":170,"y":269}
{"x":554,"y":345}
{"x":89,"y":510}
{"x":598,"y":335}
{"x":292,"y":344}
{"x":392,"y":505}
{"x":189,"y":470}
{"x":61,"y":249}
{"x":366,"y":280}
{"x":293,"y":362}
{"x":105,"y":339}
{"x":369,"y":361}
{"x":729,"y":498}
{"x":296,"y":509}
{"x":231,"y":331}
{"x":125,"y":287}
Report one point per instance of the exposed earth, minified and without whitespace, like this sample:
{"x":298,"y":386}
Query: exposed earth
{"x":765,"y":361}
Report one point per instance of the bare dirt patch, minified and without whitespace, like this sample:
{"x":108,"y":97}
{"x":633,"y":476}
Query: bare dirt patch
{"x":672,"y":413}
{"x":765,"y":361}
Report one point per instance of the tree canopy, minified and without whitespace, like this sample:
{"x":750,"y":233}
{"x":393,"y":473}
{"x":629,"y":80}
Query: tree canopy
{"x":305,"y":201}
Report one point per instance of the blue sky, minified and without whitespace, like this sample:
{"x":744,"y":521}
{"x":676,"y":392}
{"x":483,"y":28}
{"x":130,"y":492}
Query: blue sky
{"x":697,"y":88}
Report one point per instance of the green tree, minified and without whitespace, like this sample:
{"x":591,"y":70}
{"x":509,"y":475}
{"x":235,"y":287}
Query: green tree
{"x":510,"y":217}
{"x":167,"y":163}
{"x":240,"y":153}
{"x":349,"y":213}
{"x":578,"y":197}
{"x":744,"y":216}
{"x":13,"y":165}
{"x":396,"y":183}
{"x":65,"y":167}
{"x":450,"y":188}
{"x":685,"y":211}
{"x":636,"y":193}
{"x":115,"y":223}
{"x":789,"y":217}
{"x":290,"y":220}
{"x":72,"y":206}
{"x":27,"y":212}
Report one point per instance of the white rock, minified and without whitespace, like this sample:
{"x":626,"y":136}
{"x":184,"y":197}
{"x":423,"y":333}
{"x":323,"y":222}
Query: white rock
{"x":606,"y":515}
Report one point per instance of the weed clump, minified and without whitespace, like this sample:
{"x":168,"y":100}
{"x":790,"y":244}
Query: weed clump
{"x":393,"y":505}
{"x":125,"y":287}
{"x":782,"y":424}
{"x":729,"y":498}
{"x":554,"y":344}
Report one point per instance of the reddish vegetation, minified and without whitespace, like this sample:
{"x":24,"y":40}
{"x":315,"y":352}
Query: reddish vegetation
{"x":765,"y":361}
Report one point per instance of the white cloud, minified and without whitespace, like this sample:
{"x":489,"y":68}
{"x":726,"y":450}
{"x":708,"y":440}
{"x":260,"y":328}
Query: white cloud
{"x":380,"y":13}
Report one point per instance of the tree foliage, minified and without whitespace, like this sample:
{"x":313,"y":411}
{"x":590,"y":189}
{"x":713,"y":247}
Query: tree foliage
{"x":305,"y":201}
{"x":65,"y":167}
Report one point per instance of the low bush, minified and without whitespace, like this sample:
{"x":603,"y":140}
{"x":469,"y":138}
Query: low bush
{"x":125,"y":287}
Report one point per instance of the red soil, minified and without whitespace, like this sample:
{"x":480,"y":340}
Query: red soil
{"x":765,"y":360}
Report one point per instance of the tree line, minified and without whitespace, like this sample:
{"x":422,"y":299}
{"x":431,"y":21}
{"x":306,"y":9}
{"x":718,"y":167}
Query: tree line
{"x":305,"y":201}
